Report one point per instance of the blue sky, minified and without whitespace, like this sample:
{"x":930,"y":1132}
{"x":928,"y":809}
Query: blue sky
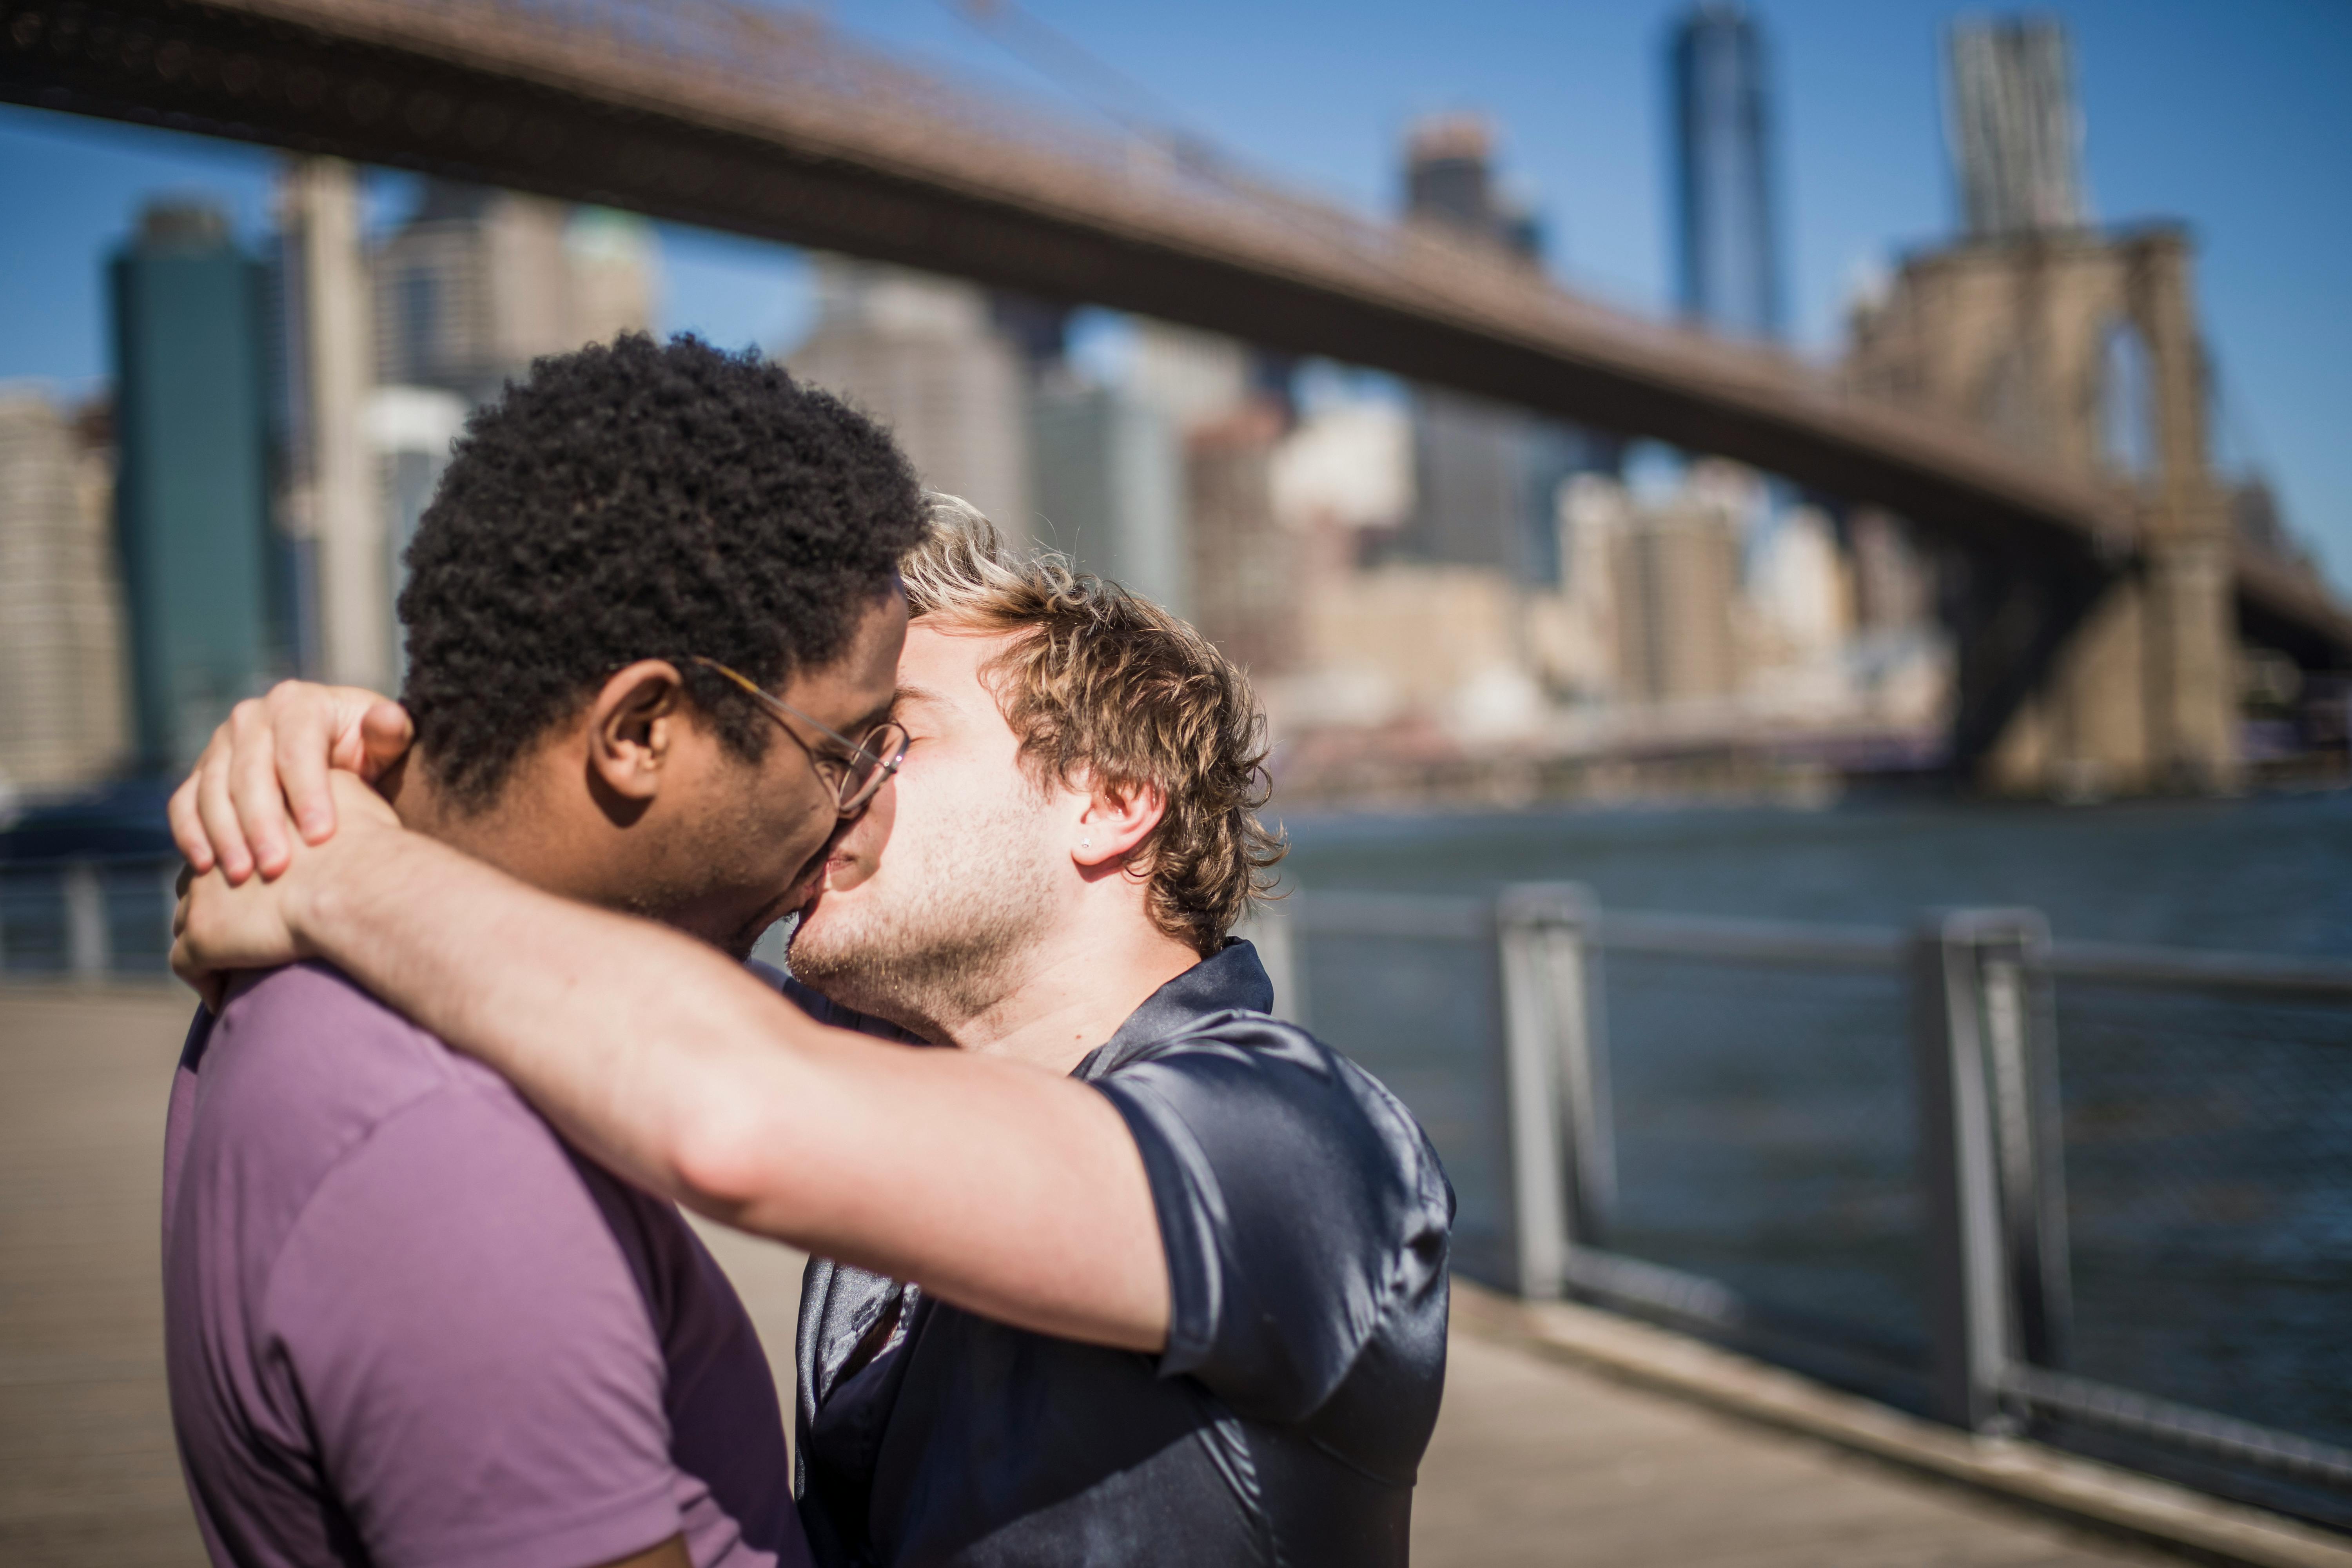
{"x":2232,"y":117}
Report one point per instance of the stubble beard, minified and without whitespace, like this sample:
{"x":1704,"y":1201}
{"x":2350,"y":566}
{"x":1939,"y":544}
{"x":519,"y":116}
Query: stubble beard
{"x":724,"y":854}
{"x":961,"y":930}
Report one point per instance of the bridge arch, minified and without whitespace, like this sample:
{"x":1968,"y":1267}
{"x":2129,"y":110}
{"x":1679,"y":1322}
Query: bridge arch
{"x":2124,"y":399}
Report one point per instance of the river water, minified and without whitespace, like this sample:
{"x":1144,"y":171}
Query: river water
{"x":1763,"y":1117}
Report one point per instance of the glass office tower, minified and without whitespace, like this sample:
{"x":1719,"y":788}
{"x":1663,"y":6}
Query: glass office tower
{"x":192,"y":495}
{"x":1728,"y":243}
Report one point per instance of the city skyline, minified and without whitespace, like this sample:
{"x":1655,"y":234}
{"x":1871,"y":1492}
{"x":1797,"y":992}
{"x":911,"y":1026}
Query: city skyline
{"x":1866,"y":173}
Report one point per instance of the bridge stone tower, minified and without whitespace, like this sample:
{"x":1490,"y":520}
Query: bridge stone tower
{"x":2083,"y":349}
{"x":2080,"y":349}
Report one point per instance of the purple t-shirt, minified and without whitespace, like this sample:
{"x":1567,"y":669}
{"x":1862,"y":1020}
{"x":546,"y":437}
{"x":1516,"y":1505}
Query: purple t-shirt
{"x":404,"y":1324}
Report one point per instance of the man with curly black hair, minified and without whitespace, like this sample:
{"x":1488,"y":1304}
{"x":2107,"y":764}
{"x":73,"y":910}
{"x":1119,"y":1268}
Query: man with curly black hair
{"x":636,"y":502}
{"x":405,"y":1321}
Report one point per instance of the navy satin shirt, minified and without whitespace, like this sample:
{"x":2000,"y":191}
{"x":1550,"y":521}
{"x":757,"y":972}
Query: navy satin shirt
{"x":1306,"y":1220}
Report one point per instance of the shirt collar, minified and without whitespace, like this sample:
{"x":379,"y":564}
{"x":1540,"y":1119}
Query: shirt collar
{"x":1230,"y":979}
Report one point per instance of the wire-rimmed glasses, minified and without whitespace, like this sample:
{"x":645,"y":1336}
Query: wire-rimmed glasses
{"x":856,"y":777}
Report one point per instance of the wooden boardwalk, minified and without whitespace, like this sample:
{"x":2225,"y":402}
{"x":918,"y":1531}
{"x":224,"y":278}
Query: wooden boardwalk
{"x":1534,"y":1462}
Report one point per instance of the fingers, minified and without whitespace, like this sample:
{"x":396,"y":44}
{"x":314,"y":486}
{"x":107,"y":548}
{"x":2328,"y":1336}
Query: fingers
{"x":217,"y":813}
{"x":304,"y":723}
{"x":183,"y":959}
{"x":385,"y":734}
{"x":209,"y":985}
{"x":188,"y":827}
{"x":254,"y":790}
{"x":262,"y":775}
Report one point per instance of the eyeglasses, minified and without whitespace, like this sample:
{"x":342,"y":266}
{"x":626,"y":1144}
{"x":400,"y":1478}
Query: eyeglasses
{"x":856,"y":777}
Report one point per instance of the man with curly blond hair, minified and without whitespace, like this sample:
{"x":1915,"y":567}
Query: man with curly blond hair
{"x":1137,"y":1274}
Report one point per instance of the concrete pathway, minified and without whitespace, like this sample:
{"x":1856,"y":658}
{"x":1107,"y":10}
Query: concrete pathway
{"x":1537,"y":1463}
{"x":1534,"y":1462}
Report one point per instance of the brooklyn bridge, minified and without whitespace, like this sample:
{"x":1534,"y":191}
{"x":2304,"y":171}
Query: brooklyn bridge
{"x":2098,"y":618}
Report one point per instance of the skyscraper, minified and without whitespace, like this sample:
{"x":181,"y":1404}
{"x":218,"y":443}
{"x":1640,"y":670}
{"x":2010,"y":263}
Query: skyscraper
{"x":60,"y":611}
{"x":1487,"y":475}
{"x":1447,"y":180}
{"x":191,"y":498}
{"x":1730,"y":240}
{"x":2016,"y":135}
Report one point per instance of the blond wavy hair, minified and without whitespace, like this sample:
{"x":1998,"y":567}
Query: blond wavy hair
{"x":1107,"y":690}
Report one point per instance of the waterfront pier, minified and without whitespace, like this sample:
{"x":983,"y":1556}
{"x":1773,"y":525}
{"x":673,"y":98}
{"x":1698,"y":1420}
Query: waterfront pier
{"x":1567,"y":1437}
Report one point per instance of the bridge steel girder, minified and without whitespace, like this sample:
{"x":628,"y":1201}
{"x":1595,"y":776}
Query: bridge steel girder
{"x":501,"y":94}
{"x":491,"y":94}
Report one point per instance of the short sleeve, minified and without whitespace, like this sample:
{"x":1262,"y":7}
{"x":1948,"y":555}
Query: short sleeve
{"x":470,"y":1348}
{"x":1300,"y":1204}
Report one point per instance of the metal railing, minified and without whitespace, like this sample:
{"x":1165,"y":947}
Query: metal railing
{"x":88,"y":920}
{"x":1983,"y":1332}
{"x":1975,"y":1253}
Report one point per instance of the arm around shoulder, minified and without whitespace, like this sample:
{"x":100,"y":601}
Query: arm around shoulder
{"x":999,"y":1186}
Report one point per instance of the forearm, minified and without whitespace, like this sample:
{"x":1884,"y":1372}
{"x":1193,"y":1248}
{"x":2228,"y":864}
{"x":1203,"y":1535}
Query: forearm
{"x":996,"y":1185}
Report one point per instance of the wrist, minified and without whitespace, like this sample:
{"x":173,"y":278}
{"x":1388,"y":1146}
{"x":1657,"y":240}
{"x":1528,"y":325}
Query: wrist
{"x":327,"y":881}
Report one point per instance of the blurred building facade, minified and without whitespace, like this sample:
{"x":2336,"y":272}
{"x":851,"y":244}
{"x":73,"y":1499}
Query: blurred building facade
{"x":388,"y":344}
{"x":192,"y":490}
{"x":327,"y":506}
{"x":409,"y":429}
{"x":279,"y":421}
{"x":1728,"y":239}
{"x":1486,"y":600}
{"x":928,"y":357}
{"x":1487,"y":475}
{"x":1111,"y":486}
{"x":1674,"y":577}
{"x":62,"y":710}
{"x":1245,"y":567}
{"x":477,"y":283}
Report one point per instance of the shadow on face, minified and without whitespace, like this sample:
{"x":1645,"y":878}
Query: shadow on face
{"x":641,"y":805}
{"x":933,"y":895}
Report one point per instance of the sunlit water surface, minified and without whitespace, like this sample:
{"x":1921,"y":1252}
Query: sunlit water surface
{"x":1763,"y":1117}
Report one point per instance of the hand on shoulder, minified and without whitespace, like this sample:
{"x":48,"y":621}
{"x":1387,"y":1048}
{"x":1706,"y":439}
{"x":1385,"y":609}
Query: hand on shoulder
{"x":221,"y":927}
{"x":264,"y":774}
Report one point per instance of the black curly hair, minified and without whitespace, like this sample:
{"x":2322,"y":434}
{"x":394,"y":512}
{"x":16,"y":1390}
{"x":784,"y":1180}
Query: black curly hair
{"x":640,"y":500}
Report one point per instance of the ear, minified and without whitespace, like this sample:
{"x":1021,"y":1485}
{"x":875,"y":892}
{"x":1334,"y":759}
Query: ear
{"x":1114,"y":824}
{"x":635,"y":723}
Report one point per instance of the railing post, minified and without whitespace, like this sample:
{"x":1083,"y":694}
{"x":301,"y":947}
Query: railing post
{"x":1555,"y":1086}
{"x":2021,"y":1050}
{"x":1272,"y":930}
{"x":85,"y":935}
{"x":1993,"y":1234}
